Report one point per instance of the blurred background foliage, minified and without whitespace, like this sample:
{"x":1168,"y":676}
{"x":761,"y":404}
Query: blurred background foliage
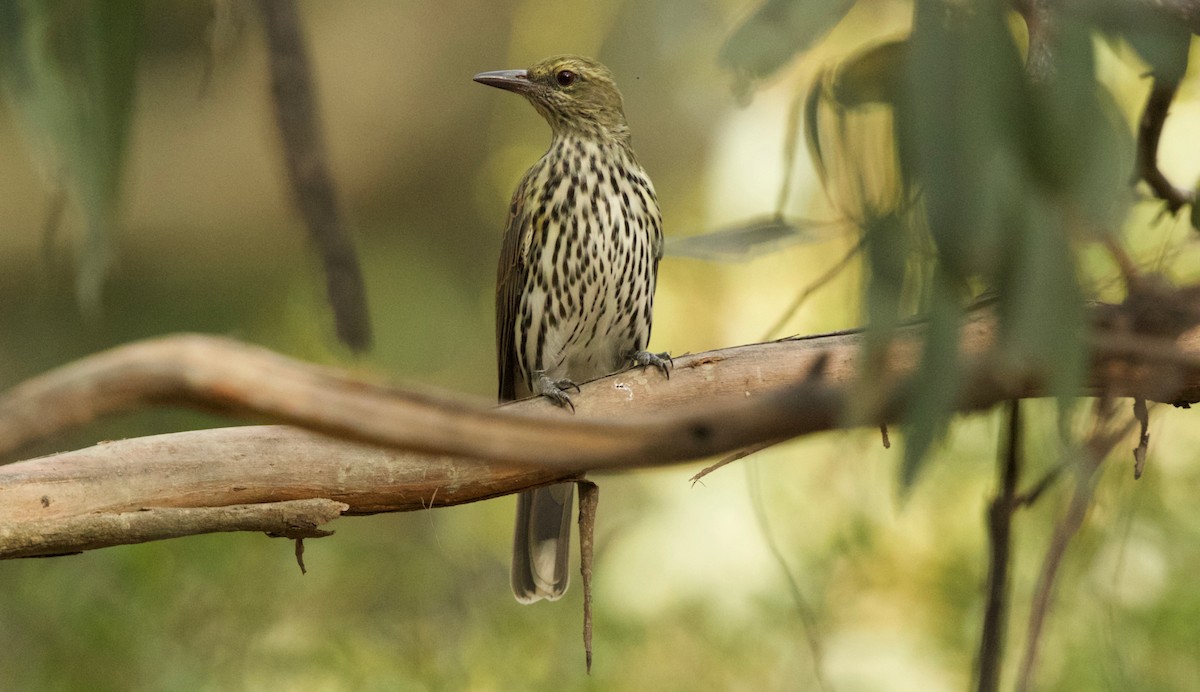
{"x":1018,"y":181}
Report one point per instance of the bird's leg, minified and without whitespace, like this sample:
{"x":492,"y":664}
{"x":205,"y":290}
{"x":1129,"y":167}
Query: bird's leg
{"x":555,"y":390}
{"x":662,"y":361}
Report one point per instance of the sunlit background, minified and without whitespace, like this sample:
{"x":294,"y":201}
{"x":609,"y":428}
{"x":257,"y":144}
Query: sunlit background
{"x":694,"y":583}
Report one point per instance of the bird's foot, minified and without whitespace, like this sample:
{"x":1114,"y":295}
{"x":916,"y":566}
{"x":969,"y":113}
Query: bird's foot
{"x":556,"y":390}
{"x":662,"y":361}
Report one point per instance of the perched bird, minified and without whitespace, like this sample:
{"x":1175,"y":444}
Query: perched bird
{"x":575,"y":286}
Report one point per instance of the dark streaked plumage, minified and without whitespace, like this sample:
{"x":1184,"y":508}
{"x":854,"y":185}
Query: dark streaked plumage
{"x":575,"y":286}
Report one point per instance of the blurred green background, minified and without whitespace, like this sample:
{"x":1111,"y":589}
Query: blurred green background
{"x":688,"y":594}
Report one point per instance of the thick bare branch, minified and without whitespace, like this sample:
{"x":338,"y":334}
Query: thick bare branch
{"x":751,"y":393}
{"x":248,"y":465}
{"x":220,"y":374}
{"x":747,"y":394}
{"x":66,"y":535}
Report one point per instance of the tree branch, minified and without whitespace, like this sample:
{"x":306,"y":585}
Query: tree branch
{"x":308,"y":171}
{"x":752,"y":393}
{"x":291,"y":519}
{"x":459,"y":452}
{"x":1150,"y":127}
{"x":999,"y":524}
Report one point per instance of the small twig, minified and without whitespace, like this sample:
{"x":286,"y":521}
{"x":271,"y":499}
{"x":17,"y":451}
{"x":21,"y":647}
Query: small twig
{"x":819,"y":283}
{"x":300,"y":555}
{"x":1125,"y":263}
{"x":1142,"y":415}
{"x":999,"y":522}
{"x":808,"y":618}
{"x":589,"y":499}
{"x":791,"y":145}
{"x":887,"y":440}
{"x":736,"y":456}
{"x":1032,"y":495}
{"x":1096,"y":448}
{"x":1154,"y":116}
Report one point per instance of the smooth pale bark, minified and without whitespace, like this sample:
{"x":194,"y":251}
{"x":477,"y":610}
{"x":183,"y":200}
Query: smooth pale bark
{"x":410,"y":450}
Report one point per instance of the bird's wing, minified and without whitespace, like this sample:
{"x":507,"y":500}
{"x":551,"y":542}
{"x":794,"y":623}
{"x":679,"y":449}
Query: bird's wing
{"x":656,"y":226}
{"x":510,"y":279}
{"x":656,"y":229}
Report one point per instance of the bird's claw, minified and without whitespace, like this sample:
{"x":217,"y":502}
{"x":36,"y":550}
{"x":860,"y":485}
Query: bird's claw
{"x":556,"y":390}
{"x":662,"y":361}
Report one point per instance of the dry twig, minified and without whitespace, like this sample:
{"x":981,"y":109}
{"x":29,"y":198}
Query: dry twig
{"x":308,"y":170}
{"x":1154,"y":116}
{"x":73,"y":534}
{"x":1098,"y":445}
{"x":999,"y":523}
{"x":589,"y":500}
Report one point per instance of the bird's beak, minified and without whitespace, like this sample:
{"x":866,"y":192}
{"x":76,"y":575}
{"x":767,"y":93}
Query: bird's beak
{"x":509,"y":80}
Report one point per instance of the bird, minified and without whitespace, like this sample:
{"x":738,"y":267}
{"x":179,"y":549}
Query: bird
{"x":576,"y":278}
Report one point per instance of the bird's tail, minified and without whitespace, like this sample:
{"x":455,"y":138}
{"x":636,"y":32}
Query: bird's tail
{"x":542,"y":543}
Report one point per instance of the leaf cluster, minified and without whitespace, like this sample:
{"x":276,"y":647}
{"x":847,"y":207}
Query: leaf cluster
{"x":973,"y":174}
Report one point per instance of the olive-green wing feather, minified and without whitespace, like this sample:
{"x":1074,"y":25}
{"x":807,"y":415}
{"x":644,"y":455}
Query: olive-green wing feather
{"x":510,"y":279}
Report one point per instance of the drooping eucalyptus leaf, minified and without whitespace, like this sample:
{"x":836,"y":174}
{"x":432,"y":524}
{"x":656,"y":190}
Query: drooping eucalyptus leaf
{"x":748,"y":240}
{"x":775,"y":33}
{"x":67,"y":72}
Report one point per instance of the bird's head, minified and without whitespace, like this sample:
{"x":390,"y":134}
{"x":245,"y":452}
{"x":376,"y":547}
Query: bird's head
{"x":576,"y":95}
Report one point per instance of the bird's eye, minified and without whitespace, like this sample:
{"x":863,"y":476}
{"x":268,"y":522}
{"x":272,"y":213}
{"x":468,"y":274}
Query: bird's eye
{"x":565,"y":78}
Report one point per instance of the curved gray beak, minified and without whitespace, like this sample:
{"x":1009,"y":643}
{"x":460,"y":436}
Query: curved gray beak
{"x":509,"y":80}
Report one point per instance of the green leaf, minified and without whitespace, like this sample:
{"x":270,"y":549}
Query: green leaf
{"x":998,"y":168}
{"x":812,"y":130}
{"x":67,"y":70}
{"x":749,"y":240}
{"x":887,"y":251}
{"x":1159,"y":37}
{"x":850,"y":132}
{"x":1080,"y":146}
{"x":870,"y":77}
{"x":935,"y":388}
{"x":1163,"y":46}
{"x":966,"y":98}
{"x":776,"y":32}
{"x":999,"y":178}
{"x":863,"y":81}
